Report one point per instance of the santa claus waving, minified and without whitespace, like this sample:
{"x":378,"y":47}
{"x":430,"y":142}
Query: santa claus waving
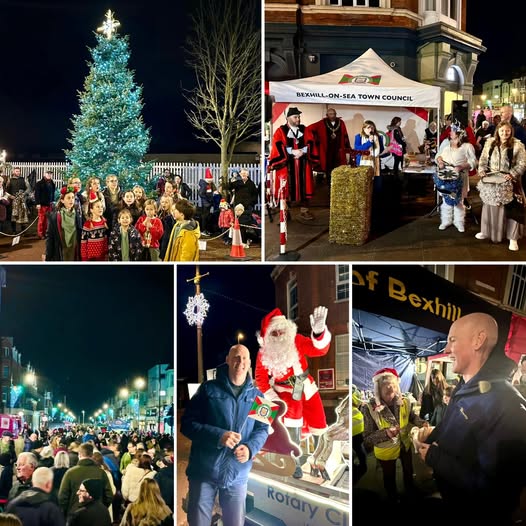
{"x":282,"y":370}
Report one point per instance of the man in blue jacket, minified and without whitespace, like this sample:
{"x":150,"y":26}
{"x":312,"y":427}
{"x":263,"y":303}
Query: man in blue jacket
{"x":478,"y":452}
{"x":224,"y":441}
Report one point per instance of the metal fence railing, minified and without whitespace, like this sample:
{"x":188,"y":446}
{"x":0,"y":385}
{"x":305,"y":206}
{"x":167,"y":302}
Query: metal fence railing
{"x":191,"y":173}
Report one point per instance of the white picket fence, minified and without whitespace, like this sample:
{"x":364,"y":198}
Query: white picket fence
{"x":191,"y":173}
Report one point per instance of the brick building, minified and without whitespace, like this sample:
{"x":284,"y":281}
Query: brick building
{"x":424,"y":40}
{"x":300,"y":289}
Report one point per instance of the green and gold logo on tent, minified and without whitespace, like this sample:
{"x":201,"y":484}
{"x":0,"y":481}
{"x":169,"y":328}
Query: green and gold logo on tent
{"x":360,"y":79}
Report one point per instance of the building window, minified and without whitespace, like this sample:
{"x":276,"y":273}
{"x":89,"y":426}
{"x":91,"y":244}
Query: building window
{"x":4,"y":395}
{"x":6,"y":352}
{"x":5,"y":371}
{"x":449,"y":8}
{"x":342,"y":361}
{"x":431,"y":5}
{"x":355,"y":3}
{"x":342,"y":282}
{"x":517,"y":294}
{"x":292,"y":299}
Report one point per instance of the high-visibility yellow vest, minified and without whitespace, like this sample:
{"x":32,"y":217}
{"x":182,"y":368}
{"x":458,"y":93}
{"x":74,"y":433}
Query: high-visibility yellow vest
{"x":357,"y":421}
{"x":390,"y":449}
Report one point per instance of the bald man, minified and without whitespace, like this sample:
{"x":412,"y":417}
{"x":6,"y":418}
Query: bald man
{"x":478,"y":452}
{"x":224,"y":441}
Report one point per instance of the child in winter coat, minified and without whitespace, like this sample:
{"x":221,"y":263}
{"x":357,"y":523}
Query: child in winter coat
{"x":151,"y":229}
{"x":164,"y":213}
{"x":125,"y":240}
{"x":226,"y":220}
{"x":184,"y":239}
{"x":93,"y":238}
{"x":63,"y":229}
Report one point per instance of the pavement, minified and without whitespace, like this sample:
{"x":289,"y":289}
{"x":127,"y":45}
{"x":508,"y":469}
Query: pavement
{"x":31,"y":248}
{"x":368,"y":494}
{"x":407,"y":230}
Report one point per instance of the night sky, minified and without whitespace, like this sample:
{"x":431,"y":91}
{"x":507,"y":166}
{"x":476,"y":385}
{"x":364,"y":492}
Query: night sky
{"x":44,"y":54}
{"x":239,"y":298}
{"x":89,"y":327}
{"x":502,"y":34}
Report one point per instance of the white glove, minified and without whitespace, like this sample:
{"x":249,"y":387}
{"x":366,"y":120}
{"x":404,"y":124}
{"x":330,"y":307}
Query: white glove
{"x":317,"y":320}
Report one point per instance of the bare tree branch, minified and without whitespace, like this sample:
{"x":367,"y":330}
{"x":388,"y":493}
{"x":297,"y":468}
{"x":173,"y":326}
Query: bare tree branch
{"x":224,"y":50}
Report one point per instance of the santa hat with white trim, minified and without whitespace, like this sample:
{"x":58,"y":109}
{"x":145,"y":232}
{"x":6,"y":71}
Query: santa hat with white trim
{"x":387,"y":374}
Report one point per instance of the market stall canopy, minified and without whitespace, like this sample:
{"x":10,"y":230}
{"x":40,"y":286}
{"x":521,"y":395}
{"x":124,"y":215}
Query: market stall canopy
{"x":379,"y":341}
{"x":367,"y":81}
{"x":373,"y":332}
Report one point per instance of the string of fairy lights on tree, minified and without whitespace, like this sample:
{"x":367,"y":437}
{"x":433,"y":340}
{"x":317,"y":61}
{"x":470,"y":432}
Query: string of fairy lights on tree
{"x":109,"y":135}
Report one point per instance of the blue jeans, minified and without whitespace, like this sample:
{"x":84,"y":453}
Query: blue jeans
{"x":201,"y":503}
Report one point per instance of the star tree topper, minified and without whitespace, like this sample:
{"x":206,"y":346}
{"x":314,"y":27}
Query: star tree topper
{"x":109,"y":26}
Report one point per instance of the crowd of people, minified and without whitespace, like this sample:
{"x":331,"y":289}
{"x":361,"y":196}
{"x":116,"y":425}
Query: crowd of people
{"x":492,"y":147}
{"x":468,"y":435}
{"x":114,"y":224}
{"x":86,"y":476}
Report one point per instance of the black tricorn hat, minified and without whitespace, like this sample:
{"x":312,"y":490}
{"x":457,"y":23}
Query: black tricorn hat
{"x":293,"y":111}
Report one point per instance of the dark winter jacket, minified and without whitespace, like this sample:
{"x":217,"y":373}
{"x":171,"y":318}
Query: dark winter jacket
{"x":35,"y":507}
{"x":480,"y":454}
{"x":18,"y":488}
{"x":6,"y":481}
{"x":211,"y":412}
{"x":168,"y":223}
{"x":165,"y":479}
{"x":244,"y":193}
{"x":54,"y":250}
{"x":206,"y":193}
{"x":44,"y":192}
{"x":115,"y":248}
{"x":58,"y":475}
{"x":92,"y":513}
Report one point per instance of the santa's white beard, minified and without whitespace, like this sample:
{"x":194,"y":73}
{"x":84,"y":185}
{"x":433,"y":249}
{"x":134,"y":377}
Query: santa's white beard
{"x":279,"y":354}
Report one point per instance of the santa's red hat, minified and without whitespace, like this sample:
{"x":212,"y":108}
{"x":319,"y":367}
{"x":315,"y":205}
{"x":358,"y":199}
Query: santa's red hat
{"x":271,"y":317}
{"x":208,"y":174}
{"x":386,"y":373}
{"x":93,"y":196}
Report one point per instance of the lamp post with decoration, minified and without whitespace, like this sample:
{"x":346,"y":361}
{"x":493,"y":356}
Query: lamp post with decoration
{"x":196,"y":311}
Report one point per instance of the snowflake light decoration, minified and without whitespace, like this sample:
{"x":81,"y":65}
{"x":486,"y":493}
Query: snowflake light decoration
{"x":196,"y":310}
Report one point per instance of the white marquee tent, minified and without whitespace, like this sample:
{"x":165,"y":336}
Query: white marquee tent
{"x":367,"y":88}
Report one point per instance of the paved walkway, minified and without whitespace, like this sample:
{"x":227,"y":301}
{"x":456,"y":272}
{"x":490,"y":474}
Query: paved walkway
{"x":412,"y":236}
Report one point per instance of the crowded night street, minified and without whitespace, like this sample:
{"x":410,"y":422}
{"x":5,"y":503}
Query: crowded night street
{"x":87,"y":393}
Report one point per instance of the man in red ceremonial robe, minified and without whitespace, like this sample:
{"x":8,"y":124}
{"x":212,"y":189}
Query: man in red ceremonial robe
{"x":282,"y":371}
{"x":292,"y":156}
{"x":332,"y":141}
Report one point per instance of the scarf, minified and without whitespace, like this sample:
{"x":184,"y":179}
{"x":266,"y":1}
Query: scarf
{"x":69,"y":227}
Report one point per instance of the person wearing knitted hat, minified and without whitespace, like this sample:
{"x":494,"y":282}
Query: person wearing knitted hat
{"x":386,"y":429}
{"x":282,"y":372}
{"x":91,"y":510}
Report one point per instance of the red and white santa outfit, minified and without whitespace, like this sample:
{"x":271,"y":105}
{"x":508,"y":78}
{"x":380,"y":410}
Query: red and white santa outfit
{"x":280,"y":360}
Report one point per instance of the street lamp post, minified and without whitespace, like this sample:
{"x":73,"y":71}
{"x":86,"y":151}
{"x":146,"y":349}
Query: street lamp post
{"x":139,"y":384}
{"x":83,"y":416}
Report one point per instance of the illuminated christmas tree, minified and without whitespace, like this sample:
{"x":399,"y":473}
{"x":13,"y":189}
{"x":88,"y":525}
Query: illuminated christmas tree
{"x":109,"y":135}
